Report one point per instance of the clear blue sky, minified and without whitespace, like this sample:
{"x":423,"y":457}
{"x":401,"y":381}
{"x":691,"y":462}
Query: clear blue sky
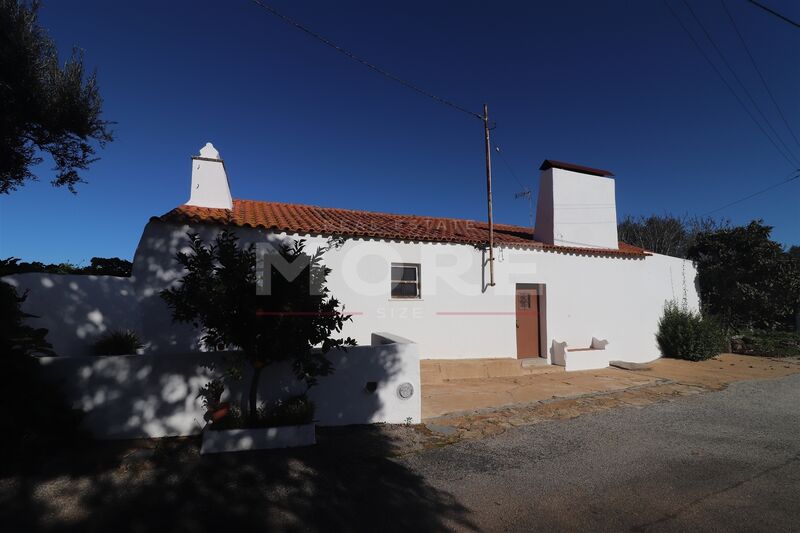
{"x":611,"y":84}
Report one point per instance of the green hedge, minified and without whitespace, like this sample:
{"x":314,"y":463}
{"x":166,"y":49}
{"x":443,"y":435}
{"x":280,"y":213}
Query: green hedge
{"x":683,"y":334}
{"x":766,"y":343}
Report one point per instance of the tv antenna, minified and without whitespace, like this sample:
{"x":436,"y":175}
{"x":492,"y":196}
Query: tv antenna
{"x":526,"y":194}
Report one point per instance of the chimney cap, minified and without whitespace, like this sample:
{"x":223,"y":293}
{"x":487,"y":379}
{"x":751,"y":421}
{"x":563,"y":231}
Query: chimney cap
{"x":209,"y":152}
{"x":552,"y":163}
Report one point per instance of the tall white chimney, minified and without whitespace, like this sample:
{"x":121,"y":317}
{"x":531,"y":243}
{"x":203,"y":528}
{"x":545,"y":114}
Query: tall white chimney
{"x":210,"y":186}
{"x":576,"y":206}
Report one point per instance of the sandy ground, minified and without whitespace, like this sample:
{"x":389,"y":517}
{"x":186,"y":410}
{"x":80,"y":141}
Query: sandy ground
{"x":468,"y":395}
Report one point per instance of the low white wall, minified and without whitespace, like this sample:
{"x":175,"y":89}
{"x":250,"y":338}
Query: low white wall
{"x":145,"y":396}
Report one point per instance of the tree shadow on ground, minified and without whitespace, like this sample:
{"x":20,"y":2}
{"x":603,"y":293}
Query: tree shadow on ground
{"x":348,"y":482}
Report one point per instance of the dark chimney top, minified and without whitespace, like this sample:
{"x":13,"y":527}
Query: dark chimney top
{"x":550,"y":163}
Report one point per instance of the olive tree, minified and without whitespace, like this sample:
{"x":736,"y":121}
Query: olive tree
{"x":44,"y":107}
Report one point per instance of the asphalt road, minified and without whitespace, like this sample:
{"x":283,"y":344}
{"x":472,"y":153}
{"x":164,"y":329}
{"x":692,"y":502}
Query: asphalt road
{"x":724,"y":461}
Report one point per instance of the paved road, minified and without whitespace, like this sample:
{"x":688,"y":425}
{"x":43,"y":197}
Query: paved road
{"x":725,"y":461}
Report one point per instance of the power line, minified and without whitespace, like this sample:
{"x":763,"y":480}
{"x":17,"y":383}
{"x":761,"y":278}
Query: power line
{"x":508,"y":166}
{"x":758,"y":70}
{"x":768,"y":10}
{"x":364,"y":62}
{"x":793,"y":176}
{"x":739,"y":81}
{"x":725,"y":82}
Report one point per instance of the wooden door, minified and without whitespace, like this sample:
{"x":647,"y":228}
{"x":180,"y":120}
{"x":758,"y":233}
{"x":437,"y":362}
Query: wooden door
{"x":527,"y":304}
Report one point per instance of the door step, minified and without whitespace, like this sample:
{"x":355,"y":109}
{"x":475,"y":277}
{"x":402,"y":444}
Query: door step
{"x":441,"y":370}
{"x":534,"y":361}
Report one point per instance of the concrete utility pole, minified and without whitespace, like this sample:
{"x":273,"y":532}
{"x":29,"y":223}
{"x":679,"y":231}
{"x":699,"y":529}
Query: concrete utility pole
{"x":489,"y":192}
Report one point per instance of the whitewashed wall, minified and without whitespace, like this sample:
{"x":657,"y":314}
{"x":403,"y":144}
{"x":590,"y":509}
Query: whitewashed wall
{"x":145,"y":396}
{"x":614,"y":298}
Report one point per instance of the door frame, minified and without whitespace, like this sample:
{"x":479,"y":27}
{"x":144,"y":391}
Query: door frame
{"x":541,"y":290}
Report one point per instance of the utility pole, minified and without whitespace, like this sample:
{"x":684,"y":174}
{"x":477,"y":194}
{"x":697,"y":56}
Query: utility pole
{"x":489,"y":192}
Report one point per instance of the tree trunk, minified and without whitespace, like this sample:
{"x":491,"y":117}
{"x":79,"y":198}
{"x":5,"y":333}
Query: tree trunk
{"x":253,"y":397}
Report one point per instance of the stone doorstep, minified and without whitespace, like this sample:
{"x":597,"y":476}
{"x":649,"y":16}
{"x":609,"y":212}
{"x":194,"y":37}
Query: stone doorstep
{"x":433,"y":371}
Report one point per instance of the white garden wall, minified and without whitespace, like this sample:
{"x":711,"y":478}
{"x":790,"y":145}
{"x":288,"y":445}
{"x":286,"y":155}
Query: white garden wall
{"x":144,"y":396}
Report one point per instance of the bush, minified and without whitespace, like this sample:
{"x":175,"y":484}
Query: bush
{"x":294,"y":411}
{"x":683,"y":334}
{"x":118,"y":343}
{"x":766,"y":343}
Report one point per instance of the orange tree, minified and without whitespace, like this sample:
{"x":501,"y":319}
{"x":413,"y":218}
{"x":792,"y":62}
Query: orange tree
{"x":294,"y":321}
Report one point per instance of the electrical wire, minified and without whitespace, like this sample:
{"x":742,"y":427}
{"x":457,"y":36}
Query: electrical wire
{"x":758,"y":70}
{"x":793,"y":176}
{"x":739,"y":80}
{"x":725,"y":82}
{"x":508,"y":166}
{"x":768,"y":10}
{"x":364,"y":62}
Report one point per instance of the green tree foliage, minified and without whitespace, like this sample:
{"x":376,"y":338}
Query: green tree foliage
{"x":665,"y":234}
{"x":44,"y":107}
{"x":98,"y":266}
{"x":746,"y":279}
{"x":36,"y":417}
{"x":218,"y":294}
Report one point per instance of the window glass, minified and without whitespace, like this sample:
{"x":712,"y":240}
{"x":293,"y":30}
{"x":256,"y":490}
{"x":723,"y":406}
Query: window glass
{"x":405,"y":281}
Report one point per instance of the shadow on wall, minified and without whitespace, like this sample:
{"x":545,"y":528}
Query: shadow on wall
{"x":147,"y":396}
{"x":77,"y":309}
{"x":348,"y":482}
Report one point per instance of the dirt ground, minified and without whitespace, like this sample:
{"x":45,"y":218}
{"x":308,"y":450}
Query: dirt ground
{"x":528,"y":400}
{"x":358,"y":478}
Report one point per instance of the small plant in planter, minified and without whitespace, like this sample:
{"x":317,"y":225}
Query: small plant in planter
{"x":118,"y":343}
{"x":293,"y":322}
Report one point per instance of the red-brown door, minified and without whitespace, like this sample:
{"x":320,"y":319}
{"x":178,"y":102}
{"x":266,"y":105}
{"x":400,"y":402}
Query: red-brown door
{"x":527,"y":303}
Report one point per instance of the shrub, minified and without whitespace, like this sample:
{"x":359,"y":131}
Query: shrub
{"x":293,"y":411}
{"x":118,"y":343}
{"x":684,"y":334}
{"x":766,"y":343}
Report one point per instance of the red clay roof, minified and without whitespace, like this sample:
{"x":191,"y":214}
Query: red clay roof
{"x":313,"y":220}
{"x":552,"y":163}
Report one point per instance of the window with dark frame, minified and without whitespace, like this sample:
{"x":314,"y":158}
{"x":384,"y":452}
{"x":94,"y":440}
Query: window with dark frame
{"x":405,"y":281}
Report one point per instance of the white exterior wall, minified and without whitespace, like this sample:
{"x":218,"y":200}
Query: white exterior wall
{"x":576,"y":209}
{"x":210,"y":187}
{"x":614,"y":298}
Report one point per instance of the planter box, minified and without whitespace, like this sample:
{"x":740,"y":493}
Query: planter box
{"x":239,"y":440}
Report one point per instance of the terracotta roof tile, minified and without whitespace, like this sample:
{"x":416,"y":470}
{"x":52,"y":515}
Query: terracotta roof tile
{"x":313,"y":220}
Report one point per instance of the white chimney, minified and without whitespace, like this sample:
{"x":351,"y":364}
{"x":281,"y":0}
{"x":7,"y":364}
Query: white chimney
{"x":209,"y":180}
{"x":576,"y":206}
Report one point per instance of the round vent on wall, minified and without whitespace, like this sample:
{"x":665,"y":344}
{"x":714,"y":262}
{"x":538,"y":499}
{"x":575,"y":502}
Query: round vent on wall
{"x":405,"y":390}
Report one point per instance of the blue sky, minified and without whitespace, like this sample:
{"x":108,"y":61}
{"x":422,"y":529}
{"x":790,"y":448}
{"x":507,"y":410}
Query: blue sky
{"x":612,"y":84}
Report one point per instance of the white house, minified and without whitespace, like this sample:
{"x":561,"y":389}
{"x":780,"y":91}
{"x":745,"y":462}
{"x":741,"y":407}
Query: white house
{"x":425,"y":279}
